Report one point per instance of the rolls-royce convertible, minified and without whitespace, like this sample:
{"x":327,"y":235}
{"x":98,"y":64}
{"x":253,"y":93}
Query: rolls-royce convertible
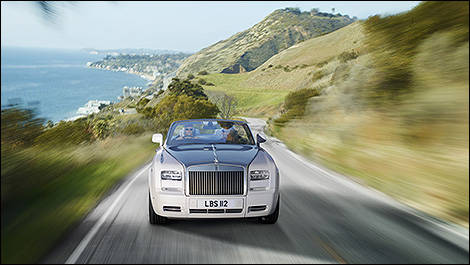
{"x":212,"y":168}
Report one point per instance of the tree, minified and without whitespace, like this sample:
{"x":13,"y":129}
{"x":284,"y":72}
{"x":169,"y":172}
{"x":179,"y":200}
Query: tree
{"x":49,"y":124}
{"x":181,"y":107}
{"x":227,"y":105}
{"x":314,"y":10}
{"x":101,"y":129}
{"x":179,"y":87}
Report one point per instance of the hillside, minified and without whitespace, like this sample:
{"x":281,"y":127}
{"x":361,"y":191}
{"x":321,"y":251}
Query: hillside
{"x":245,"y":51}
{"x":305,"y":65}
{"x":384,"y":101}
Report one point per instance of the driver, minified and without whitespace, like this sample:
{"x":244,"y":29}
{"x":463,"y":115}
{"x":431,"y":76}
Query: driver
{"x":187,"y":132}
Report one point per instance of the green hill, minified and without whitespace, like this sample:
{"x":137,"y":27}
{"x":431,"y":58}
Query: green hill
{"x":246,"y":50}
{"x":308,"y":64}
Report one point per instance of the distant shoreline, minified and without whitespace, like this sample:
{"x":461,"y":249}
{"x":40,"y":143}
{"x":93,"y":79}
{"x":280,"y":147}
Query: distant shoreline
{"x":142,"y":75}
{"x":78,"y":115}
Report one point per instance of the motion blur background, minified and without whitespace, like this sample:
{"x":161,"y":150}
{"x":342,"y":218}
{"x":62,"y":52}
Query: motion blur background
{"x":382,"y":99}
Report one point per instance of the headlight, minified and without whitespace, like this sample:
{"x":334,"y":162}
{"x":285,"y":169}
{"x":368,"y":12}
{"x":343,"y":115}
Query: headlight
{"x":171,"y":175}
{"x":259,"y":174}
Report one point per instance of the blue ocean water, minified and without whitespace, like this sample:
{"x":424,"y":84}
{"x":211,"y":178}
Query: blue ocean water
{"x":57,"y":82}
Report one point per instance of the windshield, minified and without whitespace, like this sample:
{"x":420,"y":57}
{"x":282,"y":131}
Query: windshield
{"x":209,"y":132}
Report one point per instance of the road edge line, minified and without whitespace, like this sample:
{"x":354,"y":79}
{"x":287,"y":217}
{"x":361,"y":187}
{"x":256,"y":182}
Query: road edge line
{"x":89,"y":236}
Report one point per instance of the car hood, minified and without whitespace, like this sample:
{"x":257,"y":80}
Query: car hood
{"x":205,"y":154}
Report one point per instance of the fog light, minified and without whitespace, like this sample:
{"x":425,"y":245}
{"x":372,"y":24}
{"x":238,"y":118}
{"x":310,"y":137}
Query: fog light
{"x":259,"y":174}
{"x":171,"y":175}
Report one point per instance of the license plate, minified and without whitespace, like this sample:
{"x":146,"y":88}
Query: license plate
{"x":220,"y":203}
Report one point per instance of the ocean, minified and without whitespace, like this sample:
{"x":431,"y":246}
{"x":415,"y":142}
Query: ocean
{"x":57,"y":82}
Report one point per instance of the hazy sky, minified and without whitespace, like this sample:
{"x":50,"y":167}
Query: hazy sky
{"x":183,"y":26}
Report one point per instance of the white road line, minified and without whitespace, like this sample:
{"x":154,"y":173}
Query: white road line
{"x":81,"y":247}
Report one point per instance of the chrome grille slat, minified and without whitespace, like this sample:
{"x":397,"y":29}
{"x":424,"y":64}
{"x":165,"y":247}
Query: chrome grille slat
{"x":215,"y":182}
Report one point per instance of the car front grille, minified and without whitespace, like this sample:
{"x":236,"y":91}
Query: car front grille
{"x":215,"y":182}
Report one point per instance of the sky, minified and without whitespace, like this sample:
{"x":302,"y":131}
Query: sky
{"x":181,"y":26}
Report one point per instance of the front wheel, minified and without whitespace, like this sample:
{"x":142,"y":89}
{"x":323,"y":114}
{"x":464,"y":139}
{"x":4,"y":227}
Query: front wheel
{"x":272,"y":218}
{"x":154,"y":218}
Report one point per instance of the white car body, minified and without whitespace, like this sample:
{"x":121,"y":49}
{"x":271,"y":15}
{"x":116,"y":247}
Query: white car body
{"x":193,"y":197}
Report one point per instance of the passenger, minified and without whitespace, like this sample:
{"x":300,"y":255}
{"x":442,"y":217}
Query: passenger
{"x":228,"y":133}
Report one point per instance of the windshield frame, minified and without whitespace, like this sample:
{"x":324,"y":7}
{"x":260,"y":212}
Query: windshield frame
{"x":240,"y":123}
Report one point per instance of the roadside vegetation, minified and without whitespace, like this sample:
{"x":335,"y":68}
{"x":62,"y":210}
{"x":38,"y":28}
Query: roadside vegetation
{"x":53,"y":175}
{"x":395,"y":116}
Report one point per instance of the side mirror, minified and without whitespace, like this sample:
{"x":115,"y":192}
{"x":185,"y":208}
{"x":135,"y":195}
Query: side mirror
{"x":157,"y":138}
{"x":259,"y":139}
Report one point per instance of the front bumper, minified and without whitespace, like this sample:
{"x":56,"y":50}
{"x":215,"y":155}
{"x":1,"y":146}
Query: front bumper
{"x":177,"y":205}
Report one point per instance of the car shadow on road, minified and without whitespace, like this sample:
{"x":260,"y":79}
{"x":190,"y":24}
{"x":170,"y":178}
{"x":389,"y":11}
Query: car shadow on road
{"x":292,"y":234}
{"x":325,"y":225}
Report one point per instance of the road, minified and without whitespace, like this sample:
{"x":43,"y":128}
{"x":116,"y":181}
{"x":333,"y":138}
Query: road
{"x":324,"y":218}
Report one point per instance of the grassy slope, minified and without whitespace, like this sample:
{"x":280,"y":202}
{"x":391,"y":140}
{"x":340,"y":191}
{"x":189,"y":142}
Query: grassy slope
{"x":258,"y":101}
{"x":82,"y":176}
{"x":261,"y":92}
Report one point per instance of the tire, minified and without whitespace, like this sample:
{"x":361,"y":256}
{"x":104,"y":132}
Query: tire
{"x":154,"y":218}
{"x":272,"y":218}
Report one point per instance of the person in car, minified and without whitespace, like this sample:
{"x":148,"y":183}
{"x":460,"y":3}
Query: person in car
{"x":224,"y":131}
{"x":188,"y":132}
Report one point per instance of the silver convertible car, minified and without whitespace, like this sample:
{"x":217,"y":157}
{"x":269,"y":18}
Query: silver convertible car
{"x":212,"y":168}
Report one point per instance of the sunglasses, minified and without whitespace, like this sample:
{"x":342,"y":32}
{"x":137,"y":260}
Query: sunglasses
{"x":188,"y":129}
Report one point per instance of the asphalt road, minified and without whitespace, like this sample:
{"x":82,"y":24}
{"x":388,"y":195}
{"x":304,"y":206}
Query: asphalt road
{"x":324,"y":218}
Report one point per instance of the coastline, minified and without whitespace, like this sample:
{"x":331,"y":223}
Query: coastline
{"x":78,"y":115}
{"x":145,"y":76}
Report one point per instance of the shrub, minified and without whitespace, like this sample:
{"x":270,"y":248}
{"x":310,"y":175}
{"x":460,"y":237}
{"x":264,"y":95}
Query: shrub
{"x":346,"y":56}
{"x":201,"y":81}
{"x":178,"y":87}
{"x":190,"y":76}
{"x":317,"y":75}
{"x":101,"y":129}
{"x":141,"y":104}
{"x":20,"y":127}
{"x":321,"y":64}
{"x":204,"y":72}
{"x":294,"y":105}
{"x":133,"y":129}
{"x":68,"y":132}
{"x":394,"y":41}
